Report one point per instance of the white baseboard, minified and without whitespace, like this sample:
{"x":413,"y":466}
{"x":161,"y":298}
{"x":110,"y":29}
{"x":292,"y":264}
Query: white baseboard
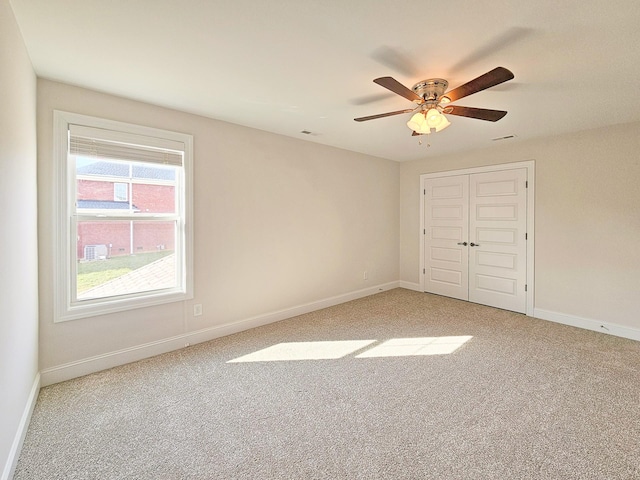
{"x":18,"y":441}
{"x":85,"y":366}
{"x":410,"y":286}
{"x":588,"y":323}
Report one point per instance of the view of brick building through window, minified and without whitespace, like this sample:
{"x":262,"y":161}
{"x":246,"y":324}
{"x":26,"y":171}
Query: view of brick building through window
{"x":124,"y":188}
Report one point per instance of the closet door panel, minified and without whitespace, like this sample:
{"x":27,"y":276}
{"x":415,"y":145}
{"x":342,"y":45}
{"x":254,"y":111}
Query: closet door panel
{"x":497,"y":239}
{"x":446,"y":229}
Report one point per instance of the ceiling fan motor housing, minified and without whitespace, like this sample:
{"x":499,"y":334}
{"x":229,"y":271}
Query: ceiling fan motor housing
{"x":431,"y":90}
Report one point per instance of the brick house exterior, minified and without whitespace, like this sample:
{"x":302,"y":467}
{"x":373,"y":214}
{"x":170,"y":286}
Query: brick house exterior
{"x":109,"y":187}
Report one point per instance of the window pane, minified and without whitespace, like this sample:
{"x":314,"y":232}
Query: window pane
{"x":120,"y":192}
{"x":103,"y":196}
{"x":123,"y":257}
{"x":153,"y":198}
{"x":104,"y":185}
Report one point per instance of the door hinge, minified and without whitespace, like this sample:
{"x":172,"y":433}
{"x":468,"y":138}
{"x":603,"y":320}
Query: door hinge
{"x":424,"y":271}
{"x":424,"y":192}
{"x":525,"y":288}
{"x":424,"y":231}
{"x":526,"y":236}
{"x":526,"y":184}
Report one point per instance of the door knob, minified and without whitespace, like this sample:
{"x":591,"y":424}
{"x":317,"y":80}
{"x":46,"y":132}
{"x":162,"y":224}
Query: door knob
{"x":462,"y":243}
{"x":474,"y":244}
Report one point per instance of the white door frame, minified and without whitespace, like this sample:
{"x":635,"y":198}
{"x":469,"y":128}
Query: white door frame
{"x":530,"y":166}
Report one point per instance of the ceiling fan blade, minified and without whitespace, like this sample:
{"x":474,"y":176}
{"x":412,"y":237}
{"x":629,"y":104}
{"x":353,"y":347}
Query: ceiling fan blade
{"x":395,"y":59}
{"x":490,"y":79}
{"x":506,"y":39}
{"x":382,"y":115}
{"x":366,"y":99}
{"x":471,"y":112}
{"x":395,"y":86}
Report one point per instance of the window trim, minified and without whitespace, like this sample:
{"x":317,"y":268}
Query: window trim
{"x":64,"y":249}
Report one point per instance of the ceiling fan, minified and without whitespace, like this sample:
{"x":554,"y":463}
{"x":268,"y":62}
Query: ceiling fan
{"x":433,"y":102}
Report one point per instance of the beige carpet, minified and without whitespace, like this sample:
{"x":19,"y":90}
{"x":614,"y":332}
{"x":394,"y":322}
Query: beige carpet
{"x":400,"y":385}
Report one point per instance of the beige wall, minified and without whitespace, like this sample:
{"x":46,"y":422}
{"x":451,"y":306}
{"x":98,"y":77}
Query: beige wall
{"x":278,"y":223}
{"x":587,"y":219}
{"x":18,"y":252}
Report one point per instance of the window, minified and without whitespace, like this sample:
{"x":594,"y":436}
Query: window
{"x":124,"y":224}
{"x":120,"y":192}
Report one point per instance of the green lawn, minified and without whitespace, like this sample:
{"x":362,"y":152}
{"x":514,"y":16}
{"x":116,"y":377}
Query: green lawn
{"x":97,"y":272}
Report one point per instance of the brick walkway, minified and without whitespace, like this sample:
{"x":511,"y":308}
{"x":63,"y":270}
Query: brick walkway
{"x":156,"y":275}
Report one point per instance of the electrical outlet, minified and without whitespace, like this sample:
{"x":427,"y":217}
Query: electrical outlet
{"x":365,"y":275}
{"x":197,"y":310}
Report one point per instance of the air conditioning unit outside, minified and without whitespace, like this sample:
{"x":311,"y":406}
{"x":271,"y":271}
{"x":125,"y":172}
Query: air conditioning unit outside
{"x":95,"y":252}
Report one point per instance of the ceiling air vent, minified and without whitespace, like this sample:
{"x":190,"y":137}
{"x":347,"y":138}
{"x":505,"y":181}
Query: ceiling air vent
{"x":307,"y":132}
{"x":506,"y":137}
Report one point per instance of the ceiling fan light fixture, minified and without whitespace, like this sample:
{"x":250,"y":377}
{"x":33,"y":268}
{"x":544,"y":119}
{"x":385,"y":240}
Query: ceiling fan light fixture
{"x":427,"y":122}
{"x":418,"y":123}
{"x":443,"y":124}
{"x":434,"y":118}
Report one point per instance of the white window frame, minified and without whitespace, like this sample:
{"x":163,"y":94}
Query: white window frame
{"x":64,"y":246}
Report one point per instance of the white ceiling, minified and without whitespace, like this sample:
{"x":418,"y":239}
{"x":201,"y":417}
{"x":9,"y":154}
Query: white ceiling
{"x":290,"y":65}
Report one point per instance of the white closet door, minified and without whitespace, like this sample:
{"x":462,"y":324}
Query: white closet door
{"x":446,"y":236}
{"x":497,"y":244}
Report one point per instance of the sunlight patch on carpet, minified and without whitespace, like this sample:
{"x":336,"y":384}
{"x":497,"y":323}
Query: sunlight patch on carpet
{"x":331,"y":350}
{"x":405,"y":347}
{"x":304,"y":351}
